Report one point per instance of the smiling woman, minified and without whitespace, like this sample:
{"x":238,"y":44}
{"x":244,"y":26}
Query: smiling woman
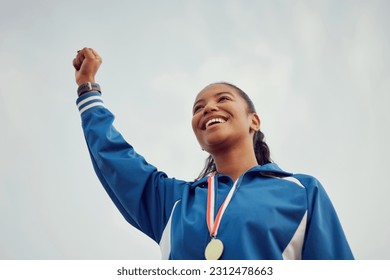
{"x":242,"y":206}
{"x":231,"y":94}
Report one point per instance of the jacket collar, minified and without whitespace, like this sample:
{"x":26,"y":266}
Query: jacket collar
{"x":266,"y":170}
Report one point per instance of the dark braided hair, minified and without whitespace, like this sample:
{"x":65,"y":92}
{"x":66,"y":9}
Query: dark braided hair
{"x":261,"y":148}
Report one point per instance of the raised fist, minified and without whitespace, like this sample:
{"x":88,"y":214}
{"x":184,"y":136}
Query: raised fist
{"x":86,"y":63}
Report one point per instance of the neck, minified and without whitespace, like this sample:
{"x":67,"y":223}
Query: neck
{"x":235,"y":162}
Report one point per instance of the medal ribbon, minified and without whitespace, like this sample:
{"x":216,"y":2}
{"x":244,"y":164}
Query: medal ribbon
{"x":212,"y":224}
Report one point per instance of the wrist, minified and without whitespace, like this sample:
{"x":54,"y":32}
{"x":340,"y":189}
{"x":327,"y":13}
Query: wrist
{"x":83,"y":79}
{"x":88,"y":87}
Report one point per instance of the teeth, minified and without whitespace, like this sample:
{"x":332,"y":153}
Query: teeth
{"x":216,"y":120}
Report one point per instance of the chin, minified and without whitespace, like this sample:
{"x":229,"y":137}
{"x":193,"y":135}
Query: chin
{"x":213,"y":143}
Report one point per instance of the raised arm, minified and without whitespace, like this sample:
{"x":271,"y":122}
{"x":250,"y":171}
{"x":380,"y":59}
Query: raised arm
{"x":144,"y":195}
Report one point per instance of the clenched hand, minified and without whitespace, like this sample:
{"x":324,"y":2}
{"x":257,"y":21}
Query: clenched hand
{"x":86,"y":63}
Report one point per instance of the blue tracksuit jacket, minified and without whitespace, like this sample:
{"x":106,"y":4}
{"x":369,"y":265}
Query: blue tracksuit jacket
{"x":273,"y":214}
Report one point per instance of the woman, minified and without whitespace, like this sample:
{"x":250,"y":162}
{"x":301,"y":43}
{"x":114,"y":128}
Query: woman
{"x":241,"y":207}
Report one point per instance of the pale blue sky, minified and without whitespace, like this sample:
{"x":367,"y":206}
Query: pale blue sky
{"x":317,"y":71}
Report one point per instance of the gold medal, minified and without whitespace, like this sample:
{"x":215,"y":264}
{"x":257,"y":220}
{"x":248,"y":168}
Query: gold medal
{"x":214,"y":249}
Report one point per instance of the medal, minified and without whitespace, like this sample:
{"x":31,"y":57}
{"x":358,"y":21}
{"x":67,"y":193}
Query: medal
{"x":214,"y":249}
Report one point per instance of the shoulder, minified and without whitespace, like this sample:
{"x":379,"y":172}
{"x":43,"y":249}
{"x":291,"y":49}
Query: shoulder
{"x":312,"y":185}
{"x":296,"y":179}
{"x":309,"y":183}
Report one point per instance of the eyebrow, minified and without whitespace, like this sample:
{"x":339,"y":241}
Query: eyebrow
{"x":215,"y":95}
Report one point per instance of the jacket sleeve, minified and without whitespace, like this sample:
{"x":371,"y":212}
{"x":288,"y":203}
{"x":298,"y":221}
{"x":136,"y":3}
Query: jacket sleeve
{"x":144,"y":195}
{"x":324,"y":238}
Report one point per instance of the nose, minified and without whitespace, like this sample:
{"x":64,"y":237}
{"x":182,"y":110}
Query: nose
{"x":210,"y":107}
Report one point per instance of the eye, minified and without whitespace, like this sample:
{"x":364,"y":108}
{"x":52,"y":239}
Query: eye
{"x":197,"y":108}
{"x":224,"y":98}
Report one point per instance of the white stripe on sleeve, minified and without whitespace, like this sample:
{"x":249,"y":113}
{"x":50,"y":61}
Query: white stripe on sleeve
{"x":91,"y":105}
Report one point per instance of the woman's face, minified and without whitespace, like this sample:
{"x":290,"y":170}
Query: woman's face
{"x":221,"y":118}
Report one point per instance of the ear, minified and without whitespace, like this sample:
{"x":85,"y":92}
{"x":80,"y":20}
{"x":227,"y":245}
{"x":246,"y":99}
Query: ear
{"x":255,"y":122}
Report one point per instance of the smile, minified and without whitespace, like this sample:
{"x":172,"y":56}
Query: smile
{"x":214,"y":121}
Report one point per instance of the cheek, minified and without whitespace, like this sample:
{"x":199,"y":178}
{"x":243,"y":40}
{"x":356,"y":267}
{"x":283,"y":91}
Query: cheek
{"x":195,"y":128}
{"x":194,"y":123}
{"x":243,"y":124}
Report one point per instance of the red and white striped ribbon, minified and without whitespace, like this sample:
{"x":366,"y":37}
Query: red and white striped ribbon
{"x":212,"y":224}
